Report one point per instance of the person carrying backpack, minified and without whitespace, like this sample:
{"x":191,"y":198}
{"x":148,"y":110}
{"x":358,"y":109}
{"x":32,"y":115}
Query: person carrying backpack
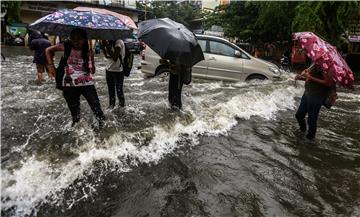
{"x":318,"y":84}
{"x":74,"y":74}
{"x":115,"y":51}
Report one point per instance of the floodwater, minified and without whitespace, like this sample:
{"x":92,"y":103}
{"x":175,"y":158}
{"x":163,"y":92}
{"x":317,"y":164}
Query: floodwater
{"x":234,"y":150}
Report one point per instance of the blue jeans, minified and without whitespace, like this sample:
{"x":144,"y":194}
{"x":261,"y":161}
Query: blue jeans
{"x":309,"y":105}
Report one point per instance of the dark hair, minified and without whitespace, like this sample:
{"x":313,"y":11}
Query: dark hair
{"x":85,"y":47}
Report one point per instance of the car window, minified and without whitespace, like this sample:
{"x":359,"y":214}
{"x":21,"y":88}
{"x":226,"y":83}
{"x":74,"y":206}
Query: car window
{"x":202,"y":44}
{"x":221,"y":49}
{"x":243,"y":55}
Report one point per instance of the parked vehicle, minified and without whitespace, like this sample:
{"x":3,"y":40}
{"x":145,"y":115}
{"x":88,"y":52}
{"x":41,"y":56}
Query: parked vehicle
{"x":134,"y":45}
{"x":17,"y":33}
{"x":18,"y":41}
{"x":223,"y":61}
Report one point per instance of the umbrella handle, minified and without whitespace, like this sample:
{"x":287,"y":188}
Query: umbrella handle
{"x":308,"y":69}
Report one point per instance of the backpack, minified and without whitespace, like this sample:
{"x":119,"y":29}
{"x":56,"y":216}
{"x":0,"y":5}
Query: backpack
{"x":97,"y":48}
{"x":330,"y":98}
{"x":127,"y":63}
{"x":60,"y":70}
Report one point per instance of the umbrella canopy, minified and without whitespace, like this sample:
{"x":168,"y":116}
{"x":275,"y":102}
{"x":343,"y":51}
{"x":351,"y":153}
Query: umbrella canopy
{"x":171,"y":40}
{"x":98,"y":26}
{"x":326,"y":56}
{"x":125,"y":19}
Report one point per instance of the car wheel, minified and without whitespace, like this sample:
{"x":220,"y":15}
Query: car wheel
{"x":163,"y":72}
{"x":255,"y":78}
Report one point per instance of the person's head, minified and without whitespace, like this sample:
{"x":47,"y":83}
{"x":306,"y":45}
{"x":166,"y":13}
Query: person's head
{"x":78,"y":38}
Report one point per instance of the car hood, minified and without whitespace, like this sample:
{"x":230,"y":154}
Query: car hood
{"x":267,"y":63}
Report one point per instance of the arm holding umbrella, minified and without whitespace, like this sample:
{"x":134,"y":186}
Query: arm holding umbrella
{"x":306,"y":76}
{"x":104,"y":44}
{"x":327,"y":81}
{"x":109,"y":52}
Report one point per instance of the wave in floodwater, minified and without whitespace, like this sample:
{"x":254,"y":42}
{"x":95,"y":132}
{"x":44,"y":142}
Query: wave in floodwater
{"x":45,"y":162}
{"x":36,"y":180}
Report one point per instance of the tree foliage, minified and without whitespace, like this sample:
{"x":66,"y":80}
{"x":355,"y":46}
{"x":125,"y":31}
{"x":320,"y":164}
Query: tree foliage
{"x":277,"y":20}
{"x":235,"y":19}
{"x":274,"y":19}
{"x":13,"y":10}
{"x":182,"y":13}
{"x":328,"y":19}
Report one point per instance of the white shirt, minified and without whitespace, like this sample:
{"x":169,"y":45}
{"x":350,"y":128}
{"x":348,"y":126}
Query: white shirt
{"x":115,"y":66}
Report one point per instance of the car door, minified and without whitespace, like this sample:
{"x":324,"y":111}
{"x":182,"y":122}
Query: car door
{"x":200,"y":69}
{"x":222,"y":62}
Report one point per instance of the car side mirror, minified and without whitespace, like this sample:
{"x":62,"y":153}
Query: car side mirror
{"x":237,"y":53}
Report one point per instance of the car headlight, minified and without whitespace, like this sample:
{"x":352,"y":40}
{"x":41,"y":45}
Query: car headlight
{"x":275,"y":70}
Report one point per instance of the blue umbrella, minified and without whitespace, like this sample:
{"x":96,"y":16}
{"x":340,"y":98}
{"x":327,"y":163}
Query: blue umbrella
{"x":98,"y":26}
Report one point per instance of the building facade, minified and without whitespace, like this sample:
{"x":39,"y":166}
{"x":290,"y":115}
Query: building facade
{"x":30,"y":11}
{"x":33,"y":10}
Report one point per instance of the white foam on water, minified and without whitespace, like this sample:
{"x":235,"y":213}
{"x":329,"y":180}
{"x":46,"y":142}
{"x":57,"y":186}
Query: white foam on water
{"x":137,"y":84}
{"x":36,"y":180}
{"x":342,"y":110}
{"x":221,"y":118}
{"x":348,"y":97}
{"x":148,"y":93}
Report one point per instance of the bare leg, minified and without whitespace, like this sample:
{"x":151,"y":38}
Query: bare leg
{"x":40,"y":71}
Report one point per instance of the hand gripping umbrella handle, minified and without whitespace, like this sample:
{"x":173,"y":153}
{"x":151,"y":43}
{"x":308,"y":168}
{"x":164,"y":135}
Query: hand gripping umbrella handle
{"x":308,"y":69}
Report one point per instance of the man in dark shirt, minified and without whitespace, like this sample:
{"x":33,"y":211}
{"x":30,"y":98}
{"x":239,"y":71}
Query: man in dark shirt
{"x":317,"y":86}
{"x":39,"y":45}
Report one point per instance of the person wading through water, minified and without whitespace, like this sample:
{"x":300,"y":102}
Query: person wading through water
{"x":180,"y":74}
{"x":115,"y":52}
{"x":77,"y":79}
{"x":39,"y":43}
{"x":317,"y":87}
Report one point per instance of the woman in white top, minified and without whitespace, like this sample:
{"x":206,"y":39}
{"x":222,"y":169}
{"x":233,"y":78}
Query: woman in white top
{"x":115,"y":52}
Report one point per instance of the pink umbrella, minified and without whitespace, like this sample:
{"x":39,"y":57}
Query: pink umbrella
{"x":327,"y":57}
{"x":125,"y":19}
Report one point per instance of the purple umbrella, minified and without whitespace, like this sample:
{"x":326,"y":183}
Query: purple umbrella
{"x":98,"y":26}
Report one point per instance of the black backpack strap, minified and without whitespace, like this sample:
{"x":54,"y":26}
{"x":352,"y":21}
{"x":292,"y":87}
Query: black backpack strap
{"x":67,"y":50}
{"x":120,"y":57}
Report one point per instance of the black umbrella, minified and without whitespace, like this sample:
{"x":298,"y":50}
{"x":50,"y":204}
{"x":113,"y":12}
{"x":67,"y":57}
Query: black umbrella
{"x":171,"y":40}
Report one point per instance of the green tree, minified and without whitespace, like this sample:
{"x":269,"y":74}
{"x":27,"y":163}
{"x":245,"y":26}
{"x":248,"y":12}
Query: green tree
{"x":182,"y":13}
{"x":274,"y":19}
{"x":13,"y":10}
{"x":237,"y":19}
{"x":328,"y":19}
{"x":260,"y":21}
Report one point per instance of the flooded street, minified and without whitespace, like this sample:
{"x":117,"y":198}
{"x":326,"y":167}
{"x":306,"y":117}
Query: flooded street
{"x":234,"y":150}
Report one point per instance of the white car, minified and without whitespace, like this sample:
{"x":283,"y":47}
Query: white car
{"x":223,"y":61}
